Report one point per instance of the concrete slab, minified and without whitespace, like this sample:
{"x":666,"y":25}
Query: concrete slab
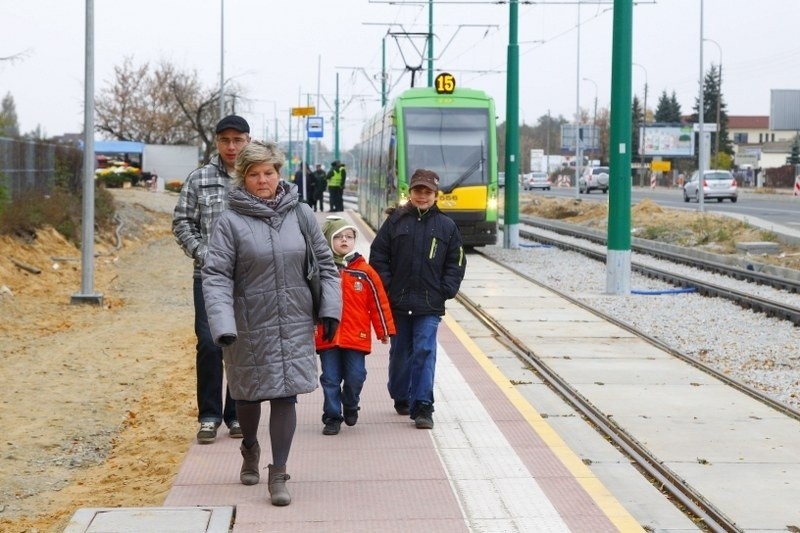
{"x":149,"y":519}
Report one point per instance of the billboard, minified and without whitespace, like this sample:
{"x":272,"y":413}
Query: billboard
{"x":666,"y":141}
{"x":588,"y":135}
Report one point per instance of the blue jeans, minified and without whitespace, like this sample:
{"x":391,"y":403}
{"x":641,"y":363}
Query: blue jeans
{"x":210,"y":368}
{"x":412,"y":359}
{"x":343,"y":375}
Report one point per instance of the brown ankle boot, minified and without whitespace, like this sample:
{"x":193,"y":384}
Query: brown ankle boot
{"x":277,"y":485}
{"x":249,"y":474}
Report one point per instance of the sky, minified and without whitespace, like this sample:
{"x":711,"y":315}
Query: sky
{"x":288,"y":53}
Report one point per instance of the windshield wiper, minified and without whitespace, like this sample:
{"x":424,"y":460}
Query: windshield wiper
{"x":467,"y":173}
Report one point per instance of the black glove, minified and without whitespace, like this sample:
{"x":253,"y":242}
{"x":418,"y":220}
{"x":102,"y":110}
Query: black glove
{"x":227,"y":340}
{"x":329,"y":327}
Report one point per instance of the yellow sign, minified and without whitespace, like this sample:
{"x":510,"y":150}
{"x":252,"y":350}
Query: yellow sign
{"x":660,"y":166}
{"x":445,"y":83}
{"x":303,"y":111}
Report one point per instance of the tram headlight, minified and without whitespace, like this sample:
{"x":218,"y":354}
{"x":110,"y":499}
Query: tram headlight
{"x":492,"y":203}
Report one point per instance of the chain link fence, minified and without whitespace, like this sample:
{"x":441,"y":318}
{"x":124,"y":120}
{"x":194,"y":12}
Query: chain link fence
{"x":27,"y":166}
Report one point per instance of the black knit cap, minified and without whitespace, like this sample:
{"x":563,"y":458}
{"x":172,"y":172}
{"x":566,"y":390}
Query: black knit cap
{"x":233,"y":122}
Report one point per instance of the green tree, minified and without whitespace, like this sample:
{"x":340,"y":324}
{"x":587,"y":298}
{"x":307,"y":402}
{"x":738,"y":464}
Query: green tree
{"x":794,"y":156}
{"x":637,"y":116}
{"x":713,"y":102}
{"x":9,"y":127}
{"x":668,"y":110}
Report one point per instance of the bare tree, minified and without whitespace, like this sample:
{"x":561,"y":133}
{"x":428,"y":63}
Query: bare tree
{"x":161,"y":105}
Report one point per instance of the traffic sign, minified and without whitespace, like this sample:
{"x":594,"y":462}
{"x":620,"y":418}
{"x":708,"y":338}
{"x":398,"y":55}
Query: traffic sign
{"x":314,"y":127}
{"x":303,"y":111}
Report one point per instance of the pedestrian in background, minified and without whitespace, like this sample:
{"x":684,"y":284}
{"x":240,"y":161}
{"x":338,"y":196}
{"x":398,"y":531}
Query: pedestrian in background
{"x":203,"y":197}
{"x":320,"y":184}
{"x":419,"y":256}
{"x":260,"y":307}
{"x":364,"y":307}
{"x":336,"y":179}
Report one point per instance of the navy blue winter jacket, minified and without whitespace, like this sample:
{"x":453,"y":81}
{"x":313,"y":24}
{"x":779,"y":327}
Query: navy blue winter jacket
{"x":420,"y":258}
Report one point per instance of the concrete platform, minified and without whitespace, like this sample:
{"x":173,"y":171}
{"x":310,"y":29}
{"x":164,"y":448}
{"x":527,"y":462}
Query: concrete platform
{"x":152,"y":519}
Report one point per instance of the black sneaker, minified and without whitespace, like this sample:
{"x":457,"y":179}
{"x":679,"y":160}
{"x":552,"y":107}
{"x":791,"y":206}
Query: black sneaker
{"x":423,"y":418}
{"x":235,"y":430}
{"x":401,"y":406}
{"x":207,"y":433}
{"x":332,"y":427}
{"x":350,"y":416}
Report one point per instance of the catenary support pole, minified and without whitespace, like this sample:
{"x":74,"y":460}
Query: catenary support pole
{"x":618,"y":267}
{"x":511,"y":208}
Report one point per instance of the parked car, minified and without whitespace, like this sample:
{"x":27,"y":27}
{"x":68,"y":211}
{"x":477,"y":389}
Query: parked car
{"x":593,"y":178}
{"x":536,"y":180}
{"x":718,"y":184}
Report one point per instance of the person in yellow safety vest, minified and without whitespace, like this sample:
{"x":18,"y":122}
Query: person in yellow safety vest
{"x":336,"y":178}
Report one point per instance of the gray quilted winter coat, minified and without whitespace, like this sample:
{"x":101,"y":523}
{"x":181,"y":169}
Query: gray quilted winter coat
{"x":255,"y":289}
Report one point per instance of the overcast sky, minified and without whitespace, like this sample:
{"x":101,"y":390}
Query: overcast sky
{"x":280,"y":51}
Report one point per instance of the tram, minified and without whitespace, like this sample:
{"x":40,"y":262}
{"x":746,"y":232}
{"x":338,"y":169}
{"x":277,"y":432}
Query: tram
{"x":449,"y":130}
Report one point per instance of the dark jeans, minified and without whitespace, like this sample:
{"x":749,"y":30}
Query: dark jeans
{"x":209,"y":368}
{"x":412,"y":359}
{"x":336,"y":198}
{"x":343,"y":375}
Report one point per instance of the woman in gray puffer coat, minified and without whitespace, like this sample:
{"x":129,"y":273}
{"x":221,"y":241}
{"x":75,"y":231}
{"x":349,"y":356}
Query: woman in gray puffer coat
{"x":260,"y":307}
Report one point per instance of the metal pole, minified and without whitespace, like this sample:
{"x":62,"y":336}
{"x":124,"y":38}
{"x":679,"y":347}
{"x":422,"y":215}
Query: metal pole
{"x":221,"y":59}
{"x":316,"y":143}
{"x":594,"y":116}
{"x":336,"y":120}
{"x":719,"y":97}
{"x":701,"y":145}
{"x":618,"y":266}
{"x":87,"y":294}
{"x":578,"y":151}
{"x":430,"y":43}
{"x":383,"y":71}
{"x":644,"y":129}
{"x":511,"y":208}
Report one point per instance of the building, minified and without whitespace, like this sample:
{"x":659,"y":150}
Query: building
{"x":756,"y":145}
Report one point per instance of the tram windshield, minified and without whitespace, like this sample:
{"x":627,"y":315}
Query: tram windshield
{"x":451,"y":142}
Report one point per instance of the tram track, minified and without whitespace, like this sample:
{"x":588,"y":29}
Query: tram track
{"x":742,"y":298}
{"x":689,"y":499}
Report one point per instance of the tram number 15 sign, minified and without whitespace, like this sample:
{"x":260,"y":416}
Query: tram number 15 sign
{"x":445,"y":83}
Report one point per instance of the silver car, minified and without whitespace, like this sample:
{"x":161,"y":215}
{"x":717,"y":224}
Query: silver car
{"x":594,"y":178}
{"x":536,"y":180}
{"x":717,"y":184}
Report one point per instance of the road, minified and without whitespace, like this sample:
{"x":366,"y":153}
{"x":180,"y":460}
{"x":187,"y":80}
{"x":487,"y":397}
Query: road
{"x":780,"y":209}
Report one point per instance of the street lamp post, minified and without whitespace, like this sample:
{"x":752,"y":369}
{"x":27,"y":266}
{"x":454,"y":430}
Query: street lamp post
{"x":578,"y":151}
{"x":701,"y":127}
{"x":644,"y":125}
{"x":594,"y":116}
{"x":221,"y":59}
{"x":719,"y":97}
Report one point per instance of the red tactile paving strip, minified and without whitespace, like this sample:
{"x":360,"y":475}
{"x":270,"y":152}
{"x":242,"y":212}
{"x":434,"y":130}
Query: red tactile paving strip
{"x":380,"y":475}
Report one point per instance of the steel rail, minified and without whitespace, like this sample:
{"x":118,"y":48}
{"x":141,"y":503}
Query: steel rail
{"x":668,"y":481}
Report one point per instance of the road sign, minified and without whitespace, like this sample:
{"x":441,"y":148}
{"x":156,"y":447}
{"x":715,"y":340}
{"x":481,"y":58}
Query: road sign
{"x":314,"y":127}
{"x":303,"y":111}
{"x":660,"y":166}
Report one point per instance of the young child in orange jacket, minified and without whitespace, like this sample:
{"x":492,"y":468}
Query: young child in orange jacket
{"x":365,"y":306}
